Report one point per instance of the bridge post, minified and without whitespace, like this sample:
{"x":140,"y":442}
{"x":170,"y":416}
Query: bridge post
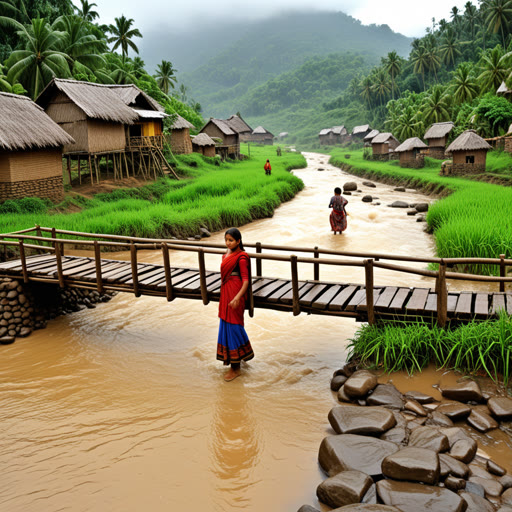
{"x":295,"y":285}
{"x":202,"y":276}
{"x":135,"y":276}
{"x":97,"y":259}
{"x":58,"y":257}
{"x":167,"y":268}
{"x":502,"y":272}
{"x":442,"y":296}
{"x":368,"y":268}
{"x":316,"y":266}
{"x":258,"y":261}
{"x":23,"y":262}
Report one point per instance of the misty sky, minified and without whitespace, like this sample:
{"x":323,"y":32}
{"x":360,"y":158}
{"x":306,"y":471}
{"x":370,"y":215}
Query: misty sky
{"x":409,"y":17}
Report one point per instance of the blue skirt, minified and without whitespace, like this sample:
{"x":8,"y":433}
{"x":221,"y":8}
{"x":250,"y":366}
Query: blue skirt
{"x":233,"y":344}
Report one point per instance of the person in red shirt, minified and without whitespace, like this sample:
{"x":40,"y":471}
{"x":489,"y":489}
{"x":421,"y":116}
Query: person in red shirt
{"x":267,"y":167}
{"x":233,"y":345}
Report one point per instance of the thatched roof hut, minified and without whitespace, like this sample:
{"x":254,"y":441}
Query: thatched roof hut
{"x":135,"y":97}
{"x":204,"y":144}
{"x":368,"y":138}
{"x":361,"y":131}
{"x":262,"y":135}
{"x":410,"y":145}
{"x":220,"y":128}
{"x":238,"y":125}
{"x":503,"y":89}
{"x":339,"y":130}
{"x":326,"y":136}
{"x":383,"y":143}
{"x":469,"y":152}
{"x":181,"y":142}
{"x":30,"y":150}
{"x":436,"y":137}
{"x":410,"y":153}
{"x":282,"y":135}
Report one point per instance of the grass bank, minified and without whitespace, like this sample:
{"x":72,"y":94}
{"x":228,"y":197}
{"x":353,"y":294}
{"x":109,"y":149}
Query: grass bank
{"x":212,"y":194}
{"x":473,"y":220}
{"x":483,"y":348}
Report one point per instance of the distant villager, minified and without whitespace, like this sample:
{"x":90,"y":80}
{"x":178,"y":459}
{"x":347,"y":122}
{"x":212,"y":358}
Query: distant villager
{"x":268,"y":168}
{"x":338,"y":217}
{"x":436,"y":137}
{"x":204,"y":144}
{"x":382,"y":145}
{"x":262,"y":135}
{"x":410,"y":153}
{"x":469,"y":153}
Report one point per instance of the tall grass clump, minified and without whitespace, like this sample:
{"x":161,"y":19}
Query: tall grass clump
{"x":479,"y":348}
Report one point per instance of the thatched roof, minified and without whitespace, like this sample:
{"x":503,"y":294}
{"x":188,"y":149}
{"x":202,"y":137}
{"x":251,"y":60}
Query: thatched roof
{"x":261,"y":131}
{"x":131,"y":95}
{"x":325,"y":131}
{"x":383,"y":137}
{"x":238,"y":125}
{"x":221,"y":125}
{"x":283,"y":134}
{"x":503,"y":89}
{"x":25,"y":125}
{"x":98,"y":101}
{"x":360,"y":129}
{"x":181,"y":123}
{"x":338,"y":130}
{"x":371,"y":135}
{"x":410,"y":145}
{"x":439,"y":130}
{"x":203,"y":139}
{"x":468,"y":141}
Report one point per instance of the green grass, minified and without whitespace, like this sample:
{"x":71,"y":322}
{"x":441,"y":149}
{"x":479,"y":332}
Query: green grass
{"x":477,"y":348}
{"x":474,"y":220}
{"x":213,"y":195}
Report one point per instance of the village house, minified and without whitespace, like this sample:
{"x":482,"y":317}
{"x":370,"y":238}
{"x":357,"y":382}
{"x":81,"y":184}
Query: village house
{"x":218,"y":128}
{"x":203,"y":144}
{"x":180,"y":140}
{"x":262,"y":136}
{"x":436,"y":137}
{"x":469,"y":153}
{"x":238,"y":125}
{"x":339,"y":134}
{"x":30,"y":151}
{"x":360,"y":132}
{"x":326,"y":136}
{"x":368,"y":138}
{"x":410,"y":153}
{"x":382,"y":145}
{"x":282,"y":135}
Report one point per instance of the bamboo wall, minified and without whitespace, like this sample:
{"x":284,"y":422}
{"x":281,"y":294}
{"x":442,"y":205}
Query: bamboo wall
{"x":62,"y":110}
{"x":412,"y":159}
{"x":263,"y":138}
{"x":79,"y":131}
{"x":181,"y":142}
{"x":104,"y":136}
{"x":204,"y":150}
{"x":380,"y":149}
{"x":437,"y":143}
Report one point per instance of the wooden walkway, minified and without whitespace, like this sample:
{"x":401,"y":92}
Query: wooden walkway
{"x":315,"y":297}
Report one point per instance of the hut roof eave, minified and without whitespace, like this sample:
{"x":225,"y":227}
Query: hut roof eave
{"x":468,"y":141}
{"x":439,"y":130}
{"x":203,"y":139}
{"x":383,"y":137}
{"x":410,"y":145}
{"x":181,"y":123}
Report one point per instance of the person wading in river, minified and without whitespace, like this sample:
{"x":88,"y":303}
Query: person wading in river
{"x":338,"y":217}
{"x":233,"y":345}
{"x":267,"y":167}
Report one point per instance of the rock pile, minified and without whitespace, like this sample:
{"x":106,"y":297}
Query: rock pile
{"x":26,"y":307}
{"x":402,"y":452}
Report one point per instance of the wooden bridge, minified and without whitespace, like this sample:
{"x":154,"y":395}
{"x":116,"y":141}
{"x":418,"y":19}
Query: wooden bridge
{"x":364,"y":302}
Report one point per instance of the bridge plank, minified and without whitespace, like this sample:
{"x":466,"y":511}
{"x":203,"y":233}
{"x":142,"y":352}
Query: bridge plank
{"x":431,"y":304}
{"x":285,"y":294}
{"x":115,"y":275}
{"x":160,"y":282}
{"x":386,"y":297}
{"x":195,"y":284}
{"x":78,"y":268}
{"x":260,"y":283}
{"x":416,"y":304}
{"x":268,"y":290}
{"x":52,"y":269}
{"x":287,"y":298}
{"x":312,"y":294}
{"x":356,"y":299}
{"x":339,"y":302}
{"x":152,"y":275}
{"x":376,"y":294}
{"x":463,"y":308}
{"x":323,"y":300}
{"x":452,"y":302}
{"x":482,"y":305}
{"x":397,"y":304}
{"x":498,"y":303}
{"x":509,"y":303}
{"x":10,"y":265}
{"x":106,"y":269}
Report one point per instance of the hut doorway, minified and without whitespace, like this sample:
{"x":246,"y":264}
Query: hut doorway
{"x":470,"y":159}
{"x":135,"y":130}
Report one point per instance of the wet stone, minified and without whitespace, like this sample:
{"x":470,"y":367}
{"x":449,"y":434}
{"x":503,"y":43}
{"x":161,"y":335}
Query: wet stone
{"x":412,"y":464}
{"x":399,"y":417}
{"x":398,"y":435}
{"x":500,"y":407}
{"x":429,"y":438}
{"x":421,"y":207}
{"x":353,"y":452}
{"x":455,"y":434}
{"x":420,"y":397}
{"x":491,"y":487}
{"x":454,"y":484}
{"x":342,"y":396}
{"x":415,"y":407}
{"x":361,"y":420}
{"x":371,"y":495}
{"x":7,"y":340}
{"x":418,"y":422}
{"x":360,"y":383}
{"x":476,"y":503}
{"x":453,"y":467}
{"x":468,"y":391}
{"x":495,"y":469}
{"x":464,"y":450}
{"x":399,"y":204}
{"x":369,"y":184}
{"x":367,"y":199}
{"x":506,"y":497}
{"x":506,"y":481}
{"x":475,"y":488}
{"x":344,"y":488}
{"x":477,"y":469}
{"x":307,"y":508}
{"x":430,"y":407}
{"x":362,"y":507}
{"x":399,"y":189}
{"x":481,"y":421}
{"x":439,"y":419}
{"x":349,"y":186}
{"x":454,"y":410}
{"x":337,"y":382}
{"x":388,"y":396}
{"x":410,"y":497}
{"x":505,"y":508}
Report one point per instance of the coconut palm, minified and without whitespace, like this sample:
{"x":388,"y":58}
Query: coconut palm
{"x":122,"y":35}
{"x":498,"y":16}
{"x":183,"y":90}
{"x":450,"y":48}
{"x":464,"y":84}
{"x":165,"y":76}
{"x":470,"y":18}
{"x":86,"y":12}
{"x":420,"y":61}
{"x":123,"y":72}
{"x":494,"y":66}
{"x":455,"y":16}
{"x":408,"y":124}
{"x":436,"y":106}
{"x":433,"y":54}
{"x":381,"y":86}
{"x":138,"y":66}
{"x":393,"y":65}
{"x":39,"y":61}
{"x":367,"y":90}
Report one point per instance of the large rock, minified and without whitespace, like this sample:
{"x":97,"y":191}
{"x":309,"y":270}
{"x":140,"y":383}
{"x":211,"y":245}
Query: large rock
{"x":415,"y":407}
{"x":337,"y":382}
{"x":491,"y":487}
{"x":429,"y":438}
{"x":367,"y":199}
{"x":506,"y":497}
{"x":421,"y":207}
{"x":344,"y":488}
{"x":350,"y":186}
{"x":351,"y":452}
{"x":439,"y":419}
{"x":451,"y":466}
{"x":454,"y":410}
{"x":399,"y":204}
{"x":476,"y":503}
{"x":481,"y":421}
{"x":413,"y":464}
{"x":464,"y":450}
{"x":361,"y":420}
{"x":420,"y":397}
{"x":500,"y":407}
{"x":409,"y":497}
{"x":455,"y":434}
{"x":494,"y":468}
{"x":398,"y":435}
{"x":360,"y":383}
{"x":388,"y":396}
{"x":468,"y":391}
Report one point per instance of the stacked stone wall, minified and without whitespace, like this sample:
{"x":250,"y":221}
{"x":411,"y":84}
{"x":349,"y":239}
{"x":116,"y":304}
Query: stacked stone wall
{"x":462,"y":169}
{"x":413,"y":163}
{"x":508,"y":144}
{"x":50,"y":188}
{"x":436,"y":152}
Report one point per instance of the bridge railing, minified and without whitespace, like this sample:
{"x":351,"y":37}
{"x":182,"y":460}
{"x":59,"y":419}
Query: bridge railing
{"x":368,"y":261}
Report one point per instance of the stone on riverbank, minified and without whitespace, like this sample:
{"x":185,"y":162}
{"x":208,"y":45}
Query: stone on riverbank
{"x":345,"y":488}
{"x":481,"y":421}
{"x":476,"y":503}
{"x":399,"y":204}
{"x":412,"y":464}
{"x":421,"y":207}
{"x":367,"y":199}
{"x":346,"y":419}
{"x":362,"y":507}
{"x":307,"y":508}
{"x":494,"y":468}
{"x":464,"y":450}
{"x":500,"y":407}
{"x":429,"y":438}
{"x":399,"y":189}
{"x":453,"y":467}
{"x":350,"y":186}
{"x":388,"y":396}
{"x":337,"y":382}
{"x":360,"y":383}
{"x":454,"y":410}
{"x":420,"y":397}
{"x":369,"y":184}
{"x":468,"y":391}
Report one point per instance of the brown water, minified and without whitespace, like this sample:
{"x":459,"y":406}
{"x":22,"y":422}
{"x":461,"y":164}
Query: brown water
{"x":123,"y":407}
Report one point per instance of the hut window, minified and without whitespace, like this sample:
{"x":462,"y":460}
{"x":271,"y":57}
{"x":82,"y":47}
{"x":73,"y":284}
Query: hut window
{"x":135,"y":130}
{"x":470,"y":159}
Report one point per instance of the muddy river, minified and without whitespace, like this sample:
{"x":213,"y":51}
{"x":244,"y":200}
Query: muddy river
{"x":123,"y":408}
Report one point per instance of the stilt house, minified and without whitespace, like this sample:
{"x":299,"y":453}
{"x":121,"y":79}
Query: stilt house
{"x":30,"y":150}
{"x":263,"y":136}
{"x":204,"y":144}
{"x":469,"y":153}
{"x":218,"y":128}
{"x":382,"y":145}
{"x":436,"y":137}
{"x":181,"y":143}
{"x":410,"y":153}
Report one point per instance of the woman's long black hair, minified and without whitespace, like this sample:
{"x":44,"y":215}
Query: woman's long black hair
{"x":235,"y":233}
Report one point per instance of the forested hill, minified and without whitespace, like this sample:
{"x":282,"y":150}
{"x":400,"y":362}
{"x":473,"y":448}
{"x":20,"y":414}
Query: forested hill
{"x":283,"y":43}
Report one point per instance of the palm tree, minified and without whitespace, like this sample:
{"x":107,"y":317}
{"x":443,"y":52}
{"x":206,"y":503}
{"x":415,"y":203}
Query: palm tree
{"x":123,"y":34}
{"x":494,"y":66}
{"x":455,"y":16}
{"x":498,"y":16}
{"x":165,"y":76}
{"x":420,"y":61}
{"x":436,"y":106}
{"x":465,"y":87}
{"x":123,"y":72}
{"x":39,"y":61}
{"x":409,"y":124}
{"x":471,"y":17}
{"x":433,"y":57}
{"x":381,"y":85}
{"x":367,"y":90}
{"x":393,"y":66}
{"x":450,"y":48}
{"x":138,"y":66}
{"x":86,"y":12}
{"x":183,"y":90}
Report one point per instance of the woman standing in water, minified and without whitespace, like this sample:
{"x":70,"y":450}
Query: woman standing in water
{"x":338,"y":217}
{"x":233,"y":345}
